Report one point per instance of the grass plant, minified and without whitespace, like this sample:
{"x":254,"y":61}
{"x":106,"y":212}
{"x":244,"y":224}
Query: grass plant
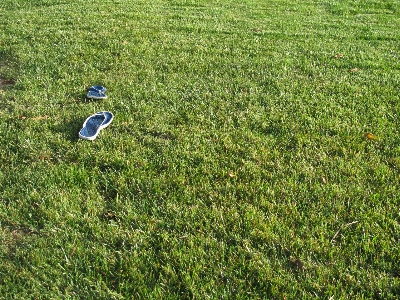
{"x":236,"y":167}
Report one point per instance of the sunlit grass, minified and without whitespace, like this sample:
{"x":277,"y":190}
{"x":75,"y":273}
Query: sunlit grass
{"x":254,"y":152}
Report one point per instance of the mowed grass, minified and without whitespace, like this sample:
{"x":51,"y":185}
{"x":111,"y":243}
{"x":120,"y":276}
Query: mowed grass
{"x":236,"y":167}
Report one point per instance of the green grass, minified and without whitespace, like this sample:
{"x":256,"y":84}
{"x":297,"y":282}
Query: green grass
{"x":236,"y":166}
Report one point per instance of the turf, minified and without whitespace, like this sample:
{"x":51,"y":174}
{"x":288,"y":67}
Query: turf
{"x":237,"y":165}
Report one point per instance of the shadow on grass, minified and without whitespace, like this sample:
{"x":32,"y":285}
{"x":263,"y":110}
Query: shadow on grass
{"x":70,"y":128}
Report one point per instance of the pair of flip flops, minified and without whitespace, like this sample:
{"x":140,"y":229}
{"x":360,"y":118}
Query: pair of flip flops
{"x":97,"y":92}
{"x":93,"y":124}
{"x":100,"y":120}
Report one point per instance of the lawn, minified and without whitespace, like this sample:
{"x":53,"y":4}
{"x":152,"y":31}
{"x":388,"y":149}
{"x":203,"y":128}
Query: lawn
{"x":254,"y":152}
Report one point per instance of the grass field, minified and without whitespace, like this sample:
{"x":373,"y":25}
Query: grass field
{"x":236,"y":167}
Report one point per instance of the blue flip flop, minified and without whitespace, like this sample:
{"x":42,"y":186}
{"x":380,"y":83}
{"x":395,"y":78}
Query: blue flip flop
{"x":96,"y":95}
{"x":97,"y":92}
{"x":98,"y":88}
{"x":94,"y":123}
